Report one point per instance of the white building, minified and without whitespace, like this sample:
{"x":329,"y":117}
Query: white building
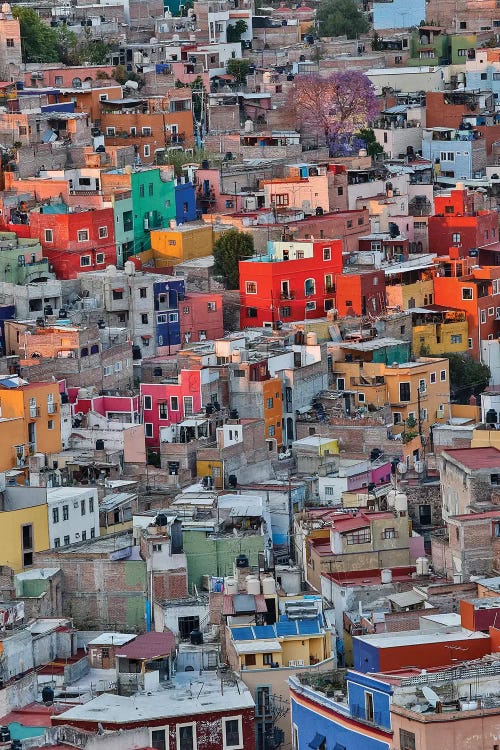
{"x":73,"y":515}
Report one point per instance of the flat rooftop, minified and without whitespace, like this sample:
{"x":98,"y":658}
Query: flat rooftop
{"x":416,"y":637}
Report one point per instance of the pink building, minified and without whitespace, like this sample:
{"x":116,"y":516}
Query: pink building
{"x":120,"y":408}
{"x":200,"y":317}
{"x":65,"y":77}
{"x":164,"y":404}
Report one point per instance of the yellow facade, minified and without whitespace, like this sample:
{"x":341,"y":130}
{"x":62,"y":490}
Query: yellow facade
{"x":176,"y":246}
{"x":211,"y":468}
{"x":406,"y":296}
{"x":301,"y":650}
{"x":37,"y":406}
{"x":441,"y":338}
{"x":12,"y":523}
{"x":12,"y":434}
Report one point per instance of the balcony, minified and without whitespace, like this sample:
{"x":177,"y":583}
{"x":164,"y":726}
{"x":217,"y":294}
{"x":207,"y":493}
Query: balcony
{"x":34,"y":412}
{"x":52,"y":408}
{"x":287,"y":295}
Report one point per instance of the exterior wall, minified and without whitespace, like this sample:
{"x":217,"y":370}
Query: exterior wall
{"x":173,"y":246}
{"x":459,"y":729}
{"x":419,"y":294}
{"x":215,"y":555}
{"x":153,"y":200}
{"x":436,"y":339}
{"x":12,"y":522}
{"x":79,"y":525}
{"x":360,"y":294}
{"x":188,"y":386}
{"x":201,"y":317}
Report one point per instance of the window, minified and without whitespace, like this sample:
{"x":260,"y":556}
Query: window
{"x":269,"y":403}
{"x":442,"y":375}
{"x":158,"y":739}
{"x":285,"y":312}
{"x":271,"y":431}
{"x":309,"y":287}
{"x":118,"y":366}
{"x":340,"y":191}
{"x":83,"y":507}
{"x":117,"y":294}
{"x":144,"y":319}
{"x":232,"y":734}
{"x":55,"y":515}
{"x":406,"y":740}
{"x":57,"y":542}
{"x":174,"y":403}
{"x":212,"y":306}
{"x":85,"y":261}
{"x":146,"y":131}
{"x":483,"y":316}
{"x":361,"y":397}
{"x":148,"y":402}
{"x":447,"y":156}
{"x":251,"y":312}
{"x":188,"y":406}
{"x":84,"y":536}
{"x":187,"y":624}
{"x":99,"y":259}
{"x":173,"y":317}
{"x":262,"y":701}
{"x":186,"y":737}
{"x":251,"y":287}
{"x":141,"y":191}
{"x":456,"y":338}
{"x":50,"y":424}
{"x":398,"y":419}
{"x":469,"y":343}
{"x":369,"y":706}
{"x":92,"y":533}
{"x":148,"y":429}
{"x":91,"y":504}
{"x":327,"y":253}
{"x":151,"y":189}
{"x":329,"y":490}
{"x":422,"y":386}
{"x":389,"y":534}
{"x":147,"y":150}
{"x":432,"y":377}
{"x":495,"y":478}
{"x":65,"y":510}
{"x":404,"y":392}
{"x":143,"y":292}
{"x":362,"y":536}
{"x":110,"y":131}
{"x":484,"y":76}
{"x":107,"y":371}
{"x":424,"y":514}
{"x":162,"y":411}
{"x":49,"y":235}
{"x":83,"y":235}
{"x":10,"y":42}
{"x":66,"y":540}
{"x":340,"y":384}
{"x":267,"y":659}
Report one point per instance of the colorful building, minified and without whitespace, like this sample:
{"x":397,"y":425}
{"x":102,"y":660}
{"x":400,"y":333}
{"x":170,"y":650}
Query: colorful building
{"x":254,"y":393}
{"x":294,"y":281}
{"x":25,"y":530}
{"x":180,"y":243}
{"x":360,"y":293}
{"x":75,"y":241}
{"x":436,"y":331}
{"x":457,"y":224}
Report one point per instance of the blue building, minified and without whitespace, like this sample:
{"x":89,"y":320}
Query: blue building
{"x":168,"y":295}
{"x":185,"y":202}
{"x":398,"y":14}
{"x":322,"y":723}
{"x":455,"y":154}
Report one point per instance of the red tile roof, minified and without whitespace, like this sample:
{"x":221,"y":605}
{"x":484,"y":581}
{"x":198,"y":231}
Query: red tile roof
{"x":148,"y":646}
{"x":476,"y":458}
{"x":32,"y":715}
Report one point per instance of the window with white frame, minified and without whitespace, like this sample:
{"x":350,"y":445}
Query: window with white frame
{"x":447,"y":156}
{"x":251,"y":287}
{"x":103,"y":232}
{"x":107,"y":371}
{"x":85,"y":260}
{"x":467,"y":292}
{"x":432,"y":377}
{"x":49,"y":235}
{"x":232,"y":735}
{"x":99,"y":259}
{"x":147,"y":150}
{"x":483,"y":316}
{"x":186,"y":736}
{"x":148,"y":429}
{"x":442,"y":375}
{"x":147,"y":402}
{"x":158,"y":739}
{"x":327,"y":253}
{"x":83,"y":235}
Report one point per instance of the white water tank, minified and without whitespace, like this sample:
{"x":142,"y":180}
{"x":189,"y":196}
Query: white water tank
{"x":253,"y":585}
{"x":311,"y":338}
{"x":422,"y":566}
{"x":129,"y":268}
{"x":386,"y":575}
{"x":230,"y":585}
{"x":401,"y":502}
{"x":268,"y":586}
{"x":248,"y":126}
{"x":391,"y":498}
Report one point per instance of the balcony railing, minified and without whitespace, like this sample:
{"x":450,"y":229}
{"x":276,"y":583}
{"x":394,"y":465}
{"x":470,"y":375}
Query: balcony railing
{"x":52,"y":408}
{"x":34,"y":412}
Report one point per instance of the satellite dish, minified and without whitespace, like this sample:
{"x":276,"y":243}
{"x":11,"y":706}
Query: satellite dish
{"x":431,"y":696}
{"x":402,"y":467}
{"x":419,"y":466}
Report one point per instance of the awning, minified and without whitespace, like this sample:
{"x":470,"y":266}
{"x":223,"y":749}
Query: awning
{"x":118,"y":289}
{"x":145,"y":336}
{"x":317,"y":741}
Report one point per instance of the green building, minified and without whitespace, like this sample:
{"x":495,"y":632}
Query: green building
{"x":214,"y":554}
{"x":153,"y":199}
{"x":430,"y":46}
{"x":462,"y":47}
{"x":123,"y":211}
{"x":21,"y":260}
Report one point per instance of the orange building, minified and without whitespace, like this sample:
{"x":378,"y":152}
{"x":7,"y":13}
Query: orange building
{"x":35,"y":406}
{"x":459,"y":224}
{"x":153,"y":125}
{"x":89,"y":98}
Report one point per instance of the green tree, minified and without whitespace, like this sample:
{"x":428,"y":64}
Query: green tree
{"x":234,"y":33}
{"x":121,"y":75}
{"x":232,"y":247}
{"x":239,"y":69}
{"x":339,"y":17}
{"x":67,"y":46}
{"x":467,"y":377}
{"x":372,"y":145}
{"x":38,"y":41}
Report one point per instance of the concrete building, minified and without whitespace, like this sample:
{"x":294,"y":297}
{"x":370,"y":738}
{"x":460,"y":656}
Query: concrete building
{"x":73,"y":515}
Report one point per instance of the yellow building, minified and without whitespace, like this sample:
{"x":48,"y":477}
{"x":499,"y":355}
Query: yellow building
{"x":33,"y":412}
{"x":410,"y":288}
{"x":24,"y":532}
{"x":439,"y":332}
{"x":181,"y":243}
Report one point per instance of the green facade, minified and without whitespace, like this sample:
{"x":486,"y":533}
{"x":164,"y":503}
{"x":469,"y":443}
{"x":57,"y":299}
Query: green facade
{"x":123,"y":212}
{"x":460,"y":44}
{"x":399,"y":353}
{"x":21,"y":259}
{"x":153,"y":200}
{"x":215,"y":556}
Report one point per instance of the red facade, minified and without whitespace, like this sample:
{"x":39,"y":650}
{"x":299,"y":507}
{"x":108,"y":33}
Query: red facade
{"x":295,"y":281}
{"x":76,"y":242}
{"x":360,"y":293}
{"x":456,"y":224}
{"x":200,"y":317}
{"x":168,"y":403}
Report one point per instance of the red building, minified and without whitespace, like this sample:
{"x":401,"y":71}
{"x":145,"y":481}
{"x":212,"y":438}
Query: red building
{"x":456,"y":224}
{"x":459,"y":285}
{"x":360,"y":293}
{"x":294,"y":281}
{"x":200,"y":317}
{"x":75,"y":241}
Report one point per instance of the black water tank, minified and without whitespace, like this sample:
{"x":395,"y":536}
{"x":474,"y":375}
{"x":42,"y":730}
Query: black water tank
{"x":99,"y":444}
{"x":375,"y":453}
{"x":491,"y":416}
{"x":136,"y":352}
{"x":47,"y":695}
{"x":196,"y":637}
{"x":233,"y":414}
{"x":4,"y":734}
{"x":161,"y":520}
{"x":205,"y":164}
{"x":47,"y":310}
{"x":242,"y":561}
{"x":64,"y":398}
{"x":232,"y":480}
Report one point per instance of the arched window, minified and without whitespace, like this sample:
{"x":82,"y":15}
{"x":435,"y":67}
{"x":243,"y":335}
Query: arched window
{"x":76,"y":83}
{"x":94,"y":349}
{"x":309,"y":287}
{"x":84,"y":352}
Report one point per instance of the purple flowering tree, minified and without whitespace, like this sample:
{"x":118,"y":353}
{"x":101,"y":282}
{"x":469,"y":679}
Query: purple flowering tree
{"x":336,"y":107}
